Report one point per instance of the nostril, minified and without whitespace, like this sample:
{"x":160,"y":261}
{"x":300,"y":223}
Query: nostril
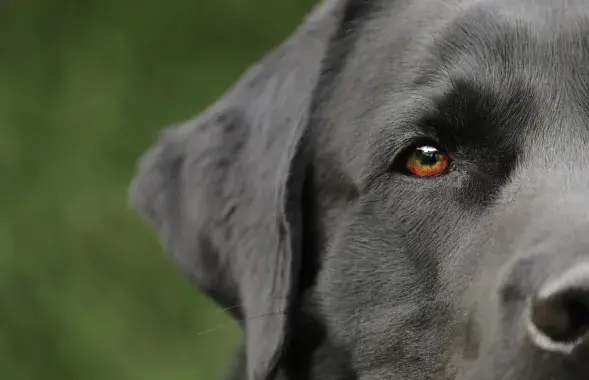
{"x":562,"y":316}
{"x":559,"y":312}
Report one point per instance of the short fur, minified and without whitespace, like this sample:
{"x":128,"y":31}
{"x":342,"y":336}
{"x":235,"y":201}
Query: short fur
{"x":286,"y":197}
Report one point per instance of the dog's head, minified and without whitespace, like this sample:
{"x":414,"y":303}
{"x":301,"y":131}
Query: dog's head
{"x":399,"y":191}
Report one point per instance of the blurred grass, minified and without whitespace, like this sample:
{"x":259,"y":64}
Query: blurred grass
{"x":85,"y":86}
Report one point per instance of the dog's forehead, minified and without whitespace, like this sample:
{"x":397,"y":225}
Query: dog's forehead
{"x":410,"y":50}
{"x":404,"y":40}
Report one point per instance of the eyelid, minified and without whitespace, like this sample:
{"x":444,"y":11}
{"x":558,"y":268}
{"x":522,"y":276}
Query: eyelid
{"x":414,"y":141}
{"x":394,"y":140}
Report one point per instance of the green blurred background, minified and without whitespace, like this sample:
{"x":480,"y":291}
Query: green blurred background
{"x":86,"y":292}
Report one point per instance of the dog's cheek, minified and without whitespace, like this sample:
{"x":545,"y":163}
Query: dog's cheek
{"x":388,"y":288}
{"x":376,"y":298}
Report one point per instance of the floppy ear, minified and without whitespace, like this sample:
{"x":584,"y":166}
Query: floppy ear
{"x":223,"y":191}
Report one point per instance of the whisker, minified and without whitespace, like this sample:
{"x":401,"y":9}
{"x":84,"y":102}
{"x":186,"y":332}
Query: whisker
{"x":212,"y":329}
{"x":225,"y":309}
{"x":229,"y":308}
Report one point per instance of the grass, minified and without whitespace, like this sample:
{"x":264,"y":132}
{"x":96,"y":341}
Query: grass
{"x":85,"y":289}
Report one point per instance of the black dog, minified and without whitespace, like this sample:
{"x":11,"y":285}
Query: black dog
{"x":399,"y":191}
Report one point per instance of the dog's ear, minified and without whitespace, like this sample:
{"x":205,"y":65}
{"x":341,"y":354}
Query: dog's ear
{"x":223,"y":191}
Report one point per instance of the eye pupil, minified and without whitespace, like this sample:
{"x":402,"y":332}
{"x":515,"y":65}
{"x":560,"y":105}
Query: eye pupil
{"x":427,"y":157}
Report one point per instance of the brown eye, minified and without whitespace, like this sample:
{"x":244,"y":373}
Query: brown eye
{"x":427,"y":161}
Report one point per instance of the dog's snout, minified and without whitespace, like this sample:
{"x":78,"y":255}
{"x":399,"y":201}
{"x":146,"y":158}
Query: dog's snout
{"x":559,"y":312}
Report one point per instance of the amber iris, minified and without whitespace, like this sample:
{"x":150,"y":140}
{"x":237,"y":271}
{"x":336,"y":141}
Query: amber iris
{"x":427,"y":161}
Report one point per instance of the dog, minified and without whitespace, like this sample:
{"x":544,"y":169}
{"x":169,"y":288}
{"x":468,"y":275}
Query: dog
{"x":398,"y":191}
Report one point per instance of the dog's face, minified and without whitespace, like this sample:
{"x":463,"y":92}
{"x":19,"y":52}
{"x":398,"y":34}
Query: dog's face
{"x":397,"y":192}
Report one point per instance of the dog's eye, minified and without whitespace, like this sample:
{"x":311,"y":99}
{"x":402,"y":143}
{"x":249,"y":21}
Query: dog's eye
{"x":427,"y":161}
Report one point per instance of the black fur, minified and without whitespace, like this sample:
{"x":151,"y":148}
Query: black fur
{"x":289,"y":198}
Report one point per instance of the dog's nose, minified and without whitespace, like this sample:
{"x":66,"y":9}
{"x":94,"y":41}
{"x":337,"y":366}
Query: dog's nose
{"x":559,"y":312}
